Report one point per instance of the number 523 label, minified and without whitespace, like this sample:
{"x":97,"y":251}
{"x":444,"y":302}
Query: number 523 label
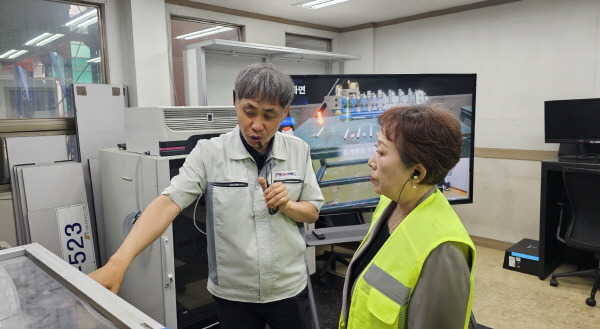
{"x":76,"y":241}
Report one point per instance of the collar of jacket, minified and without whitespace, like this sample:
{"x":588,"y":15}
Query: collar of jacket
{"x":237,"y":151}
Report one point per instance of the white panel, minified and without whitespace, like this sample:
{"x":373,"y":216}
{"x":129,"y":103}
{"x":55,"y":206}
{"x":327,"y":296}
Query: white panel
{"x":46,"y":188}
{"x":8,"y":233}
{"x":53,"y":185}
{"x":99,"y":114}
{"x":38,"y":149}
{"x":42,"y":221}
{"x":100,"y":119}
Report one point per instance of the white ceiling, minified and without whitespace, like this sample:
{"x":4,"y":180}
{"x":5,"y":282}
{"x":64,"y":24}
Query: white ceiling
{"x":346,"y":14}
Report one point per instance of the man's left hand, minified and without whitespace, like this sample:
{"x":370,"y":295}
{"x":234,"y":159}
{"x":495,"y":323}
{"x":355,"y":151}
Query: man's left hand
{"x":275,"y":195}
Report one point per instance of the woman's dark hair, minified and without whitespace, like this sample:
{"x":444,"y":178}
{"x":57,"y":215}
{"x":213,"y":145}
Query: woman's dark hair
{"x":428,"y":134}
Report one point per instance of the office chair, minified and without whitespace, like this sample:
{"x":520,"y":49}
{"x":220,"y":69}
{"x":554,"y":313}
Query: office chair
{"x":583,"y":230}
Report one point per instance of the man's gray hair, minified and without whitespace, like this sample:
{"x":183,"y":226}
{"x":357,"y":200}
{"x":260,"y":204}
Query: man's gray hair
{"x":264,"y":82}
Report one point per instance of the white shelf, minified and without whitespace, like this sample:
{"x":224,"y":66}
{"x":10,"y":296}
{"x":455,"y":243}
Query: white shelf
{"x":228,"y":47}
{"x":195,"y":61}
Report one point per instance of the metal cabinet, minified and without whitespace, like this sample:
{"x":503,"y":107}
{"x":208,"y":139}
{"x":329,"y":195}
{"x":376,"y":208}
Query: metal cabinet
{"x":167,"y":280}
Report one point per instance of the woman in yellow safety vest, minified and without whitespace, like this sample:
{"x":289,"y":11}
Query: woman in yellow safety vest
{"x":414,"y":269}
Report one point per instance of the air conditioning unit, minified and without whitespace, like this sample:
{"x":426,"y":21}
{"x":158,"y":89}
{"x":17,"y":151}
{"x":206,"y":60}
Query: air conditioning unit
{"x":174,"y":130}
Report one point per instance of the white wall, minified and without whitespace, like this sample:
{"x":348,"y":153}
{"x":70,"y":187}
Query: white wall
{"x":138,"y":49}
{"x":359,"y":43}
{"x":147,"y":52}
{"x":506,"y":200}
{"x":524,"y":53}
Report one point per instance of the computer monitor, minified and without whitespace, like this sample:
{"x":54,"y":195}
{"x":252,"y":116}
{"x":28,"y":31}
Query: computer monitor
{"x":337,"y":117}
{"x":574,"y":124}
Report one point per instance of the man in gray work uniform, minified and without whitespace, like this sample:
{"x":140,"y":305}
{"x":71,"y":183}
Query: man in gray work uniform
{"x":260,"y":188}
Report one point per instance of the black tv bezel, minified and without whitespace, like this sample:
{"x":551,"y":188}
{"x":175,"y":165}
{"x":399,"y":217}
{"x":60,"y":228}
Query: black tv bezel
{"x":469,"y":81}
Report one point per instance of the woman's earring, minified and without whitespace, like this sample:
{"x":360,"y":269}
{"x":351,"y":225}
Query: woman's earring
{"x":414,"y":186}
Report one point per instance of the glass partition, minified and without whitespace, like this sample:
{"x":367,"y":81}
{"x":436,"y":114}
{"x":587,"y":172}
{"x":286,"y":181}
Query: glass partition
{"x":46,"y":47}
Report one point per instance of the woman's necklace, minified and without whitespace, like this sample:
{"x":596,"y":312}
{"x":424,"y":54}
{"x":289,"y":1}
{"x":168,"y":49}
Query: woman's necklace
{"x":397,"y":215}
{"x":395,"y":220}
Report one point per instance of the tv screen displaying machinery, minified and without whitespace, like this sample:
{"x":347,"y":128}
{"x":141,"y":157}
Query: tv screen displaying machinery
{"x":337,"y":116}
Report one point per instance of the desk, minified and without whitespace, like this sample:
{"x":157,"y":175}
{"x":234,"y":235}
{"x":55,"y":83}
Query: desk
{"x":552,"y":251}
{"x":338,"y":234}
{"x":333,"y":235}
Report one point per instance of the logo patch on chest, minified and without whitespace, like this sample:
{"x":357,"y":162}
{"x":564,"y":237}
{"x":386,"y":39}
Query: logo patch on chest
{"x":286,"y":174}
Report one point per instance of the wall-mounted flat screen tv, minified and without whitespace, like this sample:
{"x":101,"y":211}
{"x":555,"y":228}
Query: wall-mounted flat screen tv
{"x":337,"y":116}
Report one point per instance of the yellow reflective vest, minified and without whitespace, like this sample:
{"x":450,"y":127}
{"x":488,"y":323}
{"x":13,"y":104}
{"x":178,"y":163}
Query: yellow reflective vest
{"x":380,"y":296}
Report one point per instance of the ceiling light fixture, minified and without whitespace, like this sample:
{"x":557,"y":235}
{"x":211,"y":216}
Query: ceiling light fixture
{"x":17,"y":54}
{"x":81,"y":18}
{"x":95,"y":60}
{"x":88,"y":22}
{"x":8,"y":53}
{"x":205,"y":32}
{"x":38,"y":38}
{"x":316,"y":4}
{"x":50,"y":39}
